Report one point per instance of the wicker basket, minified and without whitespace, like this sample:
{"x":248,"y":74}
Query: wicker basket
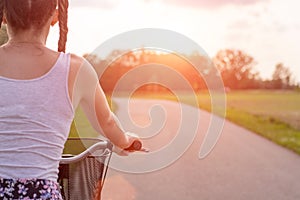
{"x":83,"y":168}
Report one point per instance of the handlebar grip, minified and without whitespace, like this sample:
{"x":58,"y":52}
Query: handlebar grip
{"x":135,"y":146}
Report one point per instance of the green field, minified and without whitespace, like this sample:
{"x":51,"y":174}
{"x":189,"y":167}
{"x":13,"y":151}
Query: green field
{"x":272,"y":114}
{"x":279,"y":105}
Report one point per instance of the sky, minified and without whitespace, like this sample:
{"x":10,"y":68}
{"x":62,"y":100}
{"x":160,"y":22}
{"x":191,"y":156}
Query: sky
{"x":268,"y":30}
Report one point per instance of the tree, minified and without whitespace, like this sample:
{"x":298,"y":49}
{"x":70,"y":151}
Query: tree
{"x":282,"y":77}
{"x":236,"y":69}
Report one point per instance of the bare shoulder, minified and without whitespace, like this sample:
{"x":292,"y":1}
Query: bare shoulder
{"x":80,"y":67}
{"x":76,"y":61}
{"x":80,"y":63}
{"x":82,"y":78}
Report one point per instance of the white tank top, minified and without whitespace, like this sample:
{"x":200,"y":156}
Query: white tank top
{"x":35,"y":119}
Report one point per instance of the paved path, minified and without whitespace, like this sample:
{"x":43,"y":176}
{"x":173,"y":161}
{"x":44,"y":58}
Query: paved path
{"x":242,"y":166}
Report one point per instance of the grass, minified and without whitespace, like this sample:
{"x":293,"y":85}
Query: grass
{"x":81,"y":127}
{"x":268,"y":127}
{"x":273,"y":114}
{"x":280,"y":105}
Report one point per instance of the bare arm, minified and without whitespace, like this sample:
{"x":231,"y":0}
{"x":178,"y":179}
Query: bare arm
{"x":85,"y":90}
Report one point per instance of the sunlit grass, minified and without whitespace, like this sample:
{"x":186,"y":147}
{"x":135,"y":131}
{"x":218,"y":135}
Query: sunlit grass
{"x":268,"y":127}
{"x":281,"y":105}
{"x":274,"y":115}
{"x":81,"y":127}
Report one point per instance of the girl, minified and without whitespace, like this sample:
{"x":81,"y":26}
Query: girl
{"x":40,"y":89}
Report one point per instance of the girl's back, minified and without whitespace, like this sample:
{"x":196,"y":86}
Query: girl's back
{"x":35,"y":112}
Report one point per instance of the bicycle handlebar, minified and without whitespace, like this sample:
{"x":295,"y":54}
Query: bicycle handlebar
{"x":98,"y":146}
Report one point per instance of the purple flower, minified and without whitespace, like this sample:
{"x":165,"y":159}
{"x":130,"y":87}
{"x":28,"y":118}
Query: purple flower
{"x":22,"y":190}
{"x":2,"y":192}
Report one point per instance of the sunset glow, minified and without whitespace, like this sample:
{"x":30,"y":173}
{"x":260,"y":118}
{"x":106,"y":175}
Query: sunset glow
{"x":266,"y":30}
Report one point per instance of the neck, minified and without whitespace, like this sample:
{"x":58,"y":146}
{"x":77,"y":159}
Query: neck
{"x":29,"y":37}
{"x":27,"y":40}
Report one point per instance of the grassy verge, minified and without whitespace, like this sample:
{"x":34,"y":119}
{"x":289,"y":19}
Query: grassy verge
{"x":274,"y":115}
{"x":268,"y":127}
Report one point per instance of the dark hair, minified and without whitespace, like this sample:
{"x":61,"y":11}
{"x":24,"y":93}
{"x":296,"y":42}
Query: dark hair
{"x":25,"y":14}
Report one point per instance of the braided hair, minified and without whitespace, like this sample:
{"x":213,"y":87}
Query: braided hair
{"x":63,"y":24}
{"x":26,"y":14}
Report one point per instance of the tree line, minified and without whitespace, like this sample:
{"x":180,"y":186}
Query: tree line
{"x":235,"y":68}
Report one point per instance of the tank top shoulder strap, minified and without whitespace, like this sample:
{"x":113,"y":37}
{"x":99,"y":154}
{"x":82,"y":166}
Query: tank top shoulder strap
{"x":60,"y":74}
{"x":62,"y":65}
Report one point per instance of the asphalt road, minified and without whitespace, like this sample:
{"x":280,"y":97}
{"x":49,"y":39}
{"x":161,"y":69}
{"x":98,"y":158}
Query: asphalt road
{"x":242,"y":166}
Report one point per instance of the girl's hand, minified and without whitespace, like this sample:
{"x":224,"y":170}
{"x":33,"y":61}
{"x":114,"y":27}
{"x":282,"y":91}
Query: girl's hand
{"x":134,"y":144}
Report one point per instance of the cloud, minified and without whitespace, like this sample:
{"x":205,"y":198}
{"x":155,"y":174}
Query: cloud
{"x":269,"y":32}
{"x":265,"y":18}
{"x":210,"y":3}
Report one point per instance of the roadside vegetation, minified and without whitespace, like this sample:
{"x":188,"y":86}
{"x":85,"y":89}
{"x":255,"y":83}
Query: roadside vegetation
{"x":273,"y":114}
